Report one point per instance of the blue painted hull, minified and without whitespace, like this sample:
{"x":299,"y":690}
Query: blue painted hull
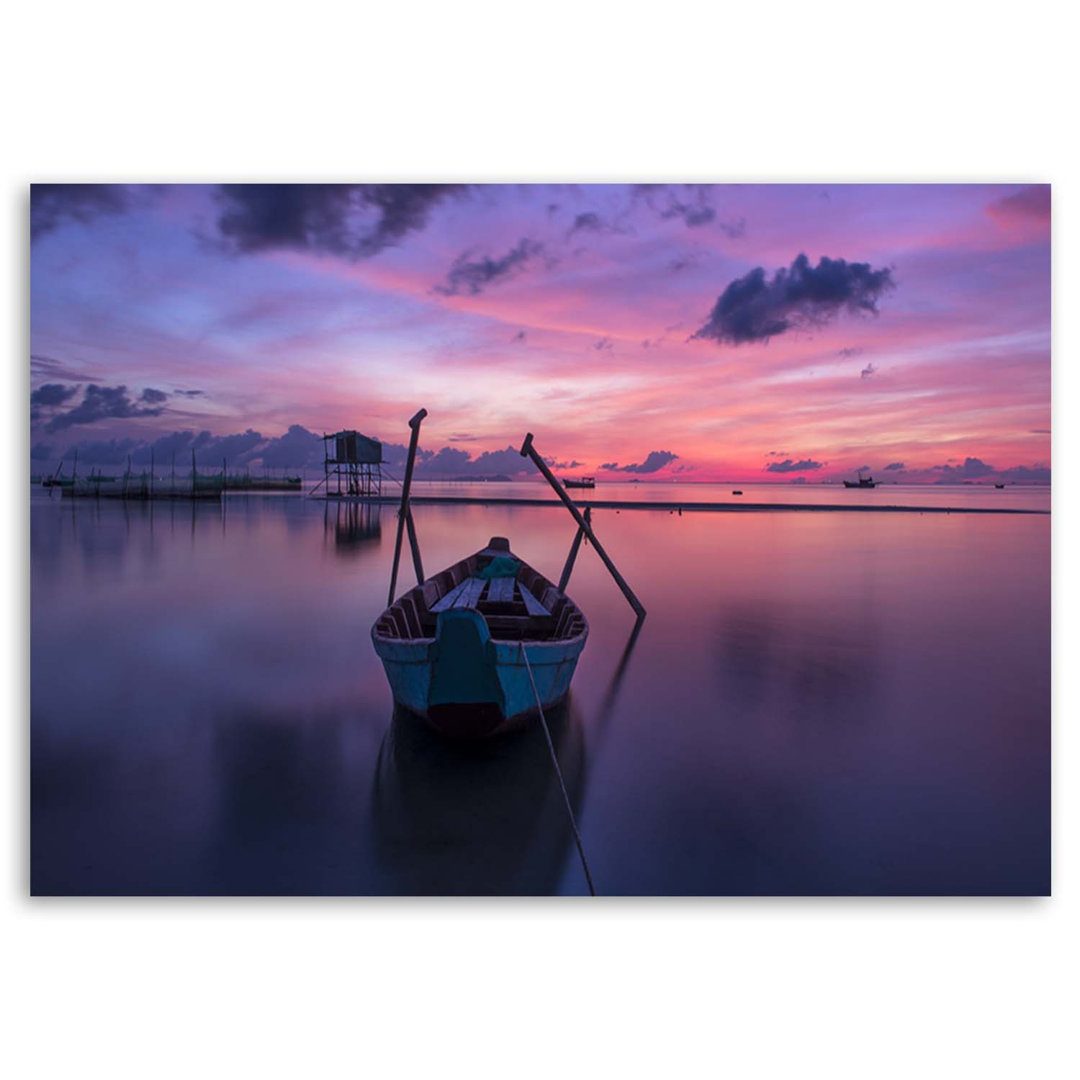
{"x":411,"y":665}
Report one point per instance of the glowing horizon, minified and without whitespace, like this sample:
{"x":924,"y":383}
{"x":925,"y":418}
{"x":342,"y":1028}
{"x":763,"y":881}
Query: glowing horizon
{"x":915,"y":332}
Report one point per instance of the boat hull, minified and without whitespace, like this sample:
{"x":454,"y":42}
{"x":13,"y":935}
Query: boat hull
{"x":485,"y":695}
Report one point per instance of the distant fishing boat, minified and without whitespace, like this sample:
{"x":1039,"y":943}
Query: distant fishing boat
{"x":862,"y":482}
{"x":999,"y":486}
{"x":464,"y":649}
{"x":584,"y":482}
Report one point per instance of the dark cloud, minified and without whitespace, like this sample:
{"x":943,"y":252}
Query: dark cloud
{"x":789,"y":466}
{"x":298,"y":448}
{"x":519,"y":336}
{"x":654,"y":461}
{"x":47,"y":397}
{"x":102,"y":403}
{"x":190,"y":393}
{"x":1031,"y":203}
{"x":976,"y":469}
{"x":462,"y":436}
{"x":153,"y":397}
{"x":110,"y":452}
{"x":52,"y":394}
{"x":690,"y":203}
{"x":553,"y":463}
{"x":692,"y":215}
{"x":450,"y":461}
{"x":42,"y":451}
{"x":469,"y":275}
{"x":591,"y":222}
{"x":972,"y":469}
{"x":1040,"y":431}
{"x":867,"y":371}
{"x":603,"y":344}
{"x":849,"y":352}
{"x":894,"y":466}
{"x":353,"y":221}
{"x":587,"y":222}
{"x":755,"y":308}
{"x":1037,"y":474}
{"x":52,"y":205}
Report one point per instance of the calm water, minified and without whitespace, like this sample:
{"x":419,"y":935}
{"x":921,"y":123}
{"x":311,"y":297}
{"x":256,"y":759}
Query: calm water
{"x":959,"y":496}
{"x":817,"y":703}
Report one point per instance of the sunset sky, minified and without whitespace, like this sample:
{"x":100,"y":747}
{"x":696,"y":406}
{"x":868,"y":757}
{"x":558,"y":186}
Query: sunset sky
{"x":662,"y":331}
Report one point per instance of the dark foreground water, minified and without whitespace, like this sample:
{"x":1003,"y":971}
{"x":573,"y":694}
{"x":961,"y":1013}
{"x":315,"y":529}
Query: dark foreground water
{"x":817,"y":703}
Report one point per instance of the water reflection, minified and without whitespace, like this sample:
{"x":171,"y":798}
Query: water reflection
{"x":288,"y":809}
{"x":817,"y":703}
{"x":476,"y":819}
{"x":352,"y":525}
{"x":797,"y":665}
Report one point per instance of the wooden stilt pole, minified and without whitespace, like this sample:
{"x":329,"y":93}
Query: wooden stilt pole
{"x":564,"y":579}
{"x":413,"y":543}
{"x":529,"y":451}
{"x":404,"y":513}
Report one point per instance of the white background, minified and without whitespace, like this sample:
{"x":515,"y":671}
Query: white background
{"x":494,"y":91}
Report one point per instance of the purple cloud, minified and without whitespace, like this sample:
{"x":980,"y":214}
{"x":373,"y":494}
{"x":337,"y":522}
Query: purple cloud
{"x":756,"y":308}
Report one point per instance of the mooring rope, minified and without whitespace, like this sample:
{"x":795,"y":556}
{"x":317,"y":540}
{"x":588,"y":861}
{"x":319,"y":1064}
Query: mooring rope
{"x":558,"y":771}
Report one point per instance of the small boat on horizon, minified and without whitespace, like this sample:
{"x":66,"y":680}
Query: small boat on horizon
{"x":862,"y":482}
{"x":999,"y":486}
{"x":584,"y":482}
{"x":473,"y":648}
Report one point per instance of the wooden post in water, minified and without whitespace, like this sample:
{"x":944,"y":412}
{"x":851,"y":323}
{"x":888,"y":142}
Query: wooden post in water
{"x":564,"y":580}
{"x":405,"y":513}
{"x":529,"y":451}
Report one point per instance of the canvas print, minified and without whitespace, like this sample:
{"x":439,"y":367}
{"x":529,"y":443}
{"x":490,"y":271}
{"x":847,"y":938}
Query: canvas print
{"x":637,"y":539}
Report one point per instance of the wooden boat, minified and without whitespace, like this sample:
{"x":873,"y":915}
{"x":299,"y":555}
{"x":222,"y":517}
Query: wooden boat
{"x":999,"y":486}
{"x":584,"y":482}
{"x":455,"y":647}
{"x":862,"y":482}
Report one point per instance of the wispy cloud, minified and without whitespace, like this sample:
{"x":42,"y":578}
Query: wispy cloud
{"x":471,"y":274}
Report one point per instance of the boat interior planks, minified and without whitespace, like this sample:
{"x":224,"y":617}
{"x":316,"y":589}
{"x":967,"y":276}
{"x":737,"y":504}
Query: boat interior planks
{"x":532,"y":605}
{"x":501,"y":590}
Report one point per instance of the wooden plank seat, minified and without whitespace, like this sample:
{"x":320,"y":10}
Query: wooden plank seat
{"x":465,"y":595}
{"x":532,"y":605}
{"x":451,"y":598}
{"x":501,"y":590}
